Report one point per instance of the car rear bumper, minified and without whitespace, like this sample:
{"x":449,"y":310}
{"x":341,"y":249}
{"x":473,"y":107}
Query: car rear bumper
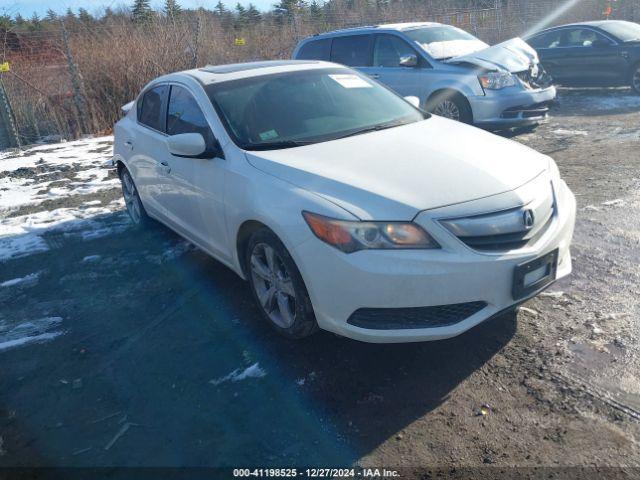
{"x":512,"y":107}
{"x":437,"y":293}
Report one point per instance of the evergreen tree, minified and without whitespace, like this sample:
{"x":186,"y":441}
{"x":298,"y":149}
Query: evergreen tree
{"x":220,"y":9}
{"x":171,"y":8}
{"x":6,"y":22}
{"x":20,"y":21}
{"x":51,"y":15}
{"x":285,"y":8}
{"x":241,"y":16}
{"x":70,"y":16}
{"x":253,"y":14}
{"x":85,"y":17}
{"x":35,"y":22}
{"x":141,"y":11}
{"x":315,"y":11}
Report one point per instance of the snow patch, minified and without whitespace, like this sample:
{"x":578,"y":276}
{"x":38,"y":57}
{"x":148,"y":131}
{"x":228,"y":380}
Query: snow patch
{"x":562,"y":132}
{"x":254,"y":371}
{"x":30,"y":279}
{"x":25,"y":234}
{"x":35,"y":331}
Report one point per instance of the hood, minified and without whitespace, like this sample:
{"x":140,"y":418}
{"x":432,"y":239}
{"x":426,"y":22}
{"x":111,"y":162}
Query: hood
{"x":514,"y":55}
{"x":393,"y":174}
{"x":453,"y":48}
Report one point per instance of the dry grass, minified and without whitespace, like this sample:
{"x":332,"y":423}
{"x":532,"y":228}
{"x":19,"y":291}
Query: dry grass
{"x":117,"y":58}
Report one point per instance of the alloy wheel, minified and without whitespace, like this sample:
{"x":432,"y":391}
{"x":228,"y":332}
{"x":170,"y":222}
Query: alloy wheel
{"x":448,"y":109}
{"x":273,"y":285}
{"x":131,"y":198}
{"x":635,"y":81}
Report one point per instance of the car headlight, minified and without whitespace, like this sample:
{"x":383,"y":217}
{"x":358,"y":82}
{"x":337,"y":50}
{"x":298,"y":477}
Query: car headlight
{"x":496,"y":80}
{"x":349,"y":236}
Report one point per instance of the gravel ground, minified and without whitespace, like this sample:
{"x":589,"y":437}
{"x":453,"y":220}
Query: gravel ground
{"x":120,"y":347}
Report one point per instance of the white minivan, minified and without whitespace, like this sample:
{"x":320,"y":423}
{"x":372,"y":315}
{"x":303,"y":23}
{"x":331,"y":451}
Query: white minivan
{"x":344,"y":206}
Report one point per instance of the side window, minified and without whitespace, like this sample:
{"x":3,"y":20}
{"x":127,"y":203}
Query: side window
{"x":185,"y":116}
{"x":152,"y":108}
{"x":388,"y":50}
{"x":315,"y":50}
{"x":352,"y":51}
{"x":583,"y":37}
{"x":546,"y":40}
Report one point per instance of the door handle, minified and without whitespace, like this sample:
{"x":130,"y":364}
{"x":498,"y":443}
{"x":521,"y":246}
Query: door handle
{"x":165,"y":166}
{"x":374,"y":75}
{"x":129,"y":144}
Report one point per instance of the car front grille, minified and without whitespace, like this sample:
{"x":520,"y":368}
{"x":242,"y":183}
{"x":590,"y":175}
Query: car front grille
{"x":506,"y":229}
{"x":534,"y":82}
{"x":414,"y":317}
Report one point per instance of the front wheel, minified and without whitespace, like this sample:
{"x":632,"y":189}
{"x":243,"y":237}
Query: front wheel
{"x":450,"y":105}
{"x":635,"y":79}
{"x":278,"y":287}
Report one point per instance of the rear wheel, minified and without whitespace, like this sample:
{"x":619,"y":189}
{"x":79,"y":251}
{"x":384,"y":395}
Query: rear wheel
{"x":278,"y":287}
{"x":635,"y":79}
{"x":135,"y":209}
{"x":450,"y":105}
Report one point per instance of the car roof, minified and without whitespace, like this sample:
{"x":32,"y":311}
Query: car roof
{"x":592,"y":23}
{"x":234,"y":71}
{"x":383,"y":26}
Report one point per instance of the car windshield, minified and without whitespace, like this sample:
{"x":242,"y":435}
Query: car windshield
{"x":624,"y":31}
{"x":297,"y":108}
{"x":445,"y":41}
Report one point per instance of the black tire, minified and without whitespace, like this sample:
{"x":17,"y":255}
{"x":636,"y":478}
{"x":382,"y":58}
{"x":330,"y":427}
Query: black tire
{"x":449,"y":98}
{"x":135,"y":209}
{"x":304,"y":321}
{"x":634,"y":79}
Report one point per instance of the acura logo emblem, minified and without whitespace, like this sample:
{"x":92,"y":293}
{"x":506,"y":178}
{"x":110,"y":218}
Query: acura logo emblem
{"x":527,"y":219}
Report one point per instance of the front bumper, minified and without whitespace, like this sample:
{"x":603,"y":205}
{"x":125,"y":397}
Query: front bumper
{"x":511,"y":107}
{"x":340,"y":284}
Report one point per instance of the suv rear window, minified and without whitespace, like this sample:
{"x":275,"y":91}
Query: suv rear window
{"x":315,"y":50}
{"x":353,"y":51}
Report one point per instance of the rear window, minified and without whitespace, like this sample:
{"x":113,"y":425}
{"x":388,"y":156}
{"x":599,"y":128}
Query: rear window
{"x":353,"y":51}
{"x":315,"y":50}
{"x":152,"y":110}
{"x":625,"y":31}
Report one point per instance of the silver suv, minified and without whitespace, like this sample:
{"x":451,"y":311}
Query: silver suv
{"x":450,"y":71}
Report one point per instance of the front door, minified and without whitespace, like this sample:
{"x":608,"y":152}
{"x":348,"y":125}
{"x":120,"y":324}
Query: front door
{"x":388,"y":50}
{"x":194,"y":202}
{"x":591,"y":59}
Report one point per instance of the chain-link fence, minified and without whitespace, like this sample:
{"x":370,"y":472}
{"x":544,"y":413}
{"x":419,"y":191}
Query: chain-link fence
{"x":72,"y":77}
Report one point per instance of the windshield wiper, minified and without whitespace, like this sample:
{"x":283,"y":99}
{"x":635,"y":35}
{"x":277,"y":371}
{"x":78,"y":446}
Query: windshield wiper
{"x":374,"y":128}
{"x":276,"y":145}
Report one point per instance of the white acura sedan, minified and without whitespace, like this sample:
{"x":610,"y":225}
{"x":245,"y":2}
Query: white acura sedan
{"x":344,"y":206}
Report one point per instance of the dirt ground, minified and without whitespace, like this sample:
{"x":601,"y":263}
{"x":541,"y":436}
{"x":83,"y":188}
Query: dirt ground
{"x":152,"y":354}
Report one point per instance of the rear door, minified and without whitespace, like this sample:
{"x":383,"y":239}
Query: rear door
{"x":388,"y":49}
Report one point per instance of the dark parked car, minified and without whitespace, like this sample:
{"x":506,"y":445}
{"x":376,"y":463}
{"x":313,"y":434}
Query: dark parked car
{"x":591,"y":54}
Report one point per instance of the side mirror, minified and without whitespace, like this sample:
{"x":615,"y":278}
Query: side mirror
{"x":193,"y":145}
{"x":600,"y":42}
{"x":409,"y":60}
{"x":186,"y":145}
{"x":415,"y":101}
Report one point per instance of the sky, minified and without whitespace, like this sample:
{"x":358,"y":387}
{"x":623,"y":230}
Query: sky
{"x":27,"y":7}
